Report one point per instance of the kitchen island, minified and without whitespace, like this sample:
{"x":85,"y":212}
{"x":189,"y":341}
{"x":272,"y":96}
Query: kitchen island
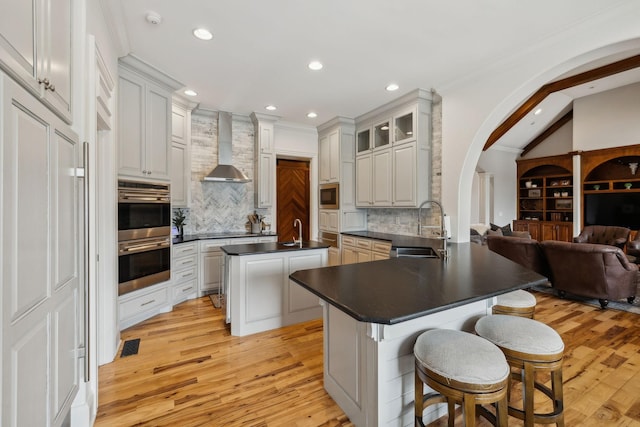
{"x":373,"y":313}
{"x":259,"y":295}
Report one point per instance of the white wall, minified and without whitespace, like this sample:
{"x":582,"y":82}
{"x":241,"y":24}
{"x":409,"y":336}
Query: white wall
{"x":607,"y":119}
{"x":560,"y":142}
{"x":502,"y":165}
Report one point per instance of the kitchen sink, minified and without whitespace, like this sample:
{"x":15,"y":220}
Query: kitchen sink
{"x":415,"y":253}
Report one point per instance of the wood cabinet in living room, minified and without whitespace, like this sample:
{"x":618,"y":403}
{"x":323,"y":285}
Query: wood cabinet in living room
{"x":545,"y":197}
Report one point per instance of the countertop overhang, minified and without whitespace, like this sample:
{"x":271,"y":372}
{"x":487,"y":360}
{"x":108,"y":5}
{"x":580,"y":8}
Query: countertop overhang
{"x":228,"y":235}
{"x":400,"y":289}
{"x":269,"y":247}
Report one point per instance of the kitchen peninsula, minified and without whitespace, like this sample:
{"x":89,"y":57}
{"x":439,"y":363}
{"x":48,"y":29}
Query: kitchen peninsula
{"x":259,"y":294}
{"x":374,"y":311}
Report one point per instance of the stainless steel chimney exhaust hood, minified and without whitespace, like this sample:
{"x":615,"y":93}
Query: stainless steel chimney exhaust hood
{"x":225,"y":172}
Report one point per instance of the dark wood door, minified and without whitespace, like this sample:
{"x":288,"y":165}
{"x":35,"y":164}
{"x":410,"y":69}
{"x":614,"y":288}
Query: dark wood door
{"x":293,"y":198}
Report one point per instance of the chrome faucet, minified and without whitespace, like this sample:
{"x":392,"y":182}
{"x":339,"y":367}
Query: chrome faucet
{"x":443,"y":231}
{"x":299,"y":241}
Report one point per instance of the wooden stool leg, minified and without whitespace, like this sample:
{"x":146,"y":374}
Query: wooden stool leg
{"x":451,"y":409}
{"x":419,"y":408}
{"x":556,"y":384}
{"x":502,"y":412}
{"x":469,"y":415}
{"x":528,"y":389}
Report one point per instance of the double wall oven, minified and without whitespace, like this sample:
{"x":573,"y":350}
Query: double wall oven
{"x":144,"y":234}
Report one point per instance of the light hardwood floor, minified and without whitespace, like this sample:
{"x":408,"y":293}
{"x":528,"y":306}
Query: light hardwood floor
{"x":191,"y":372}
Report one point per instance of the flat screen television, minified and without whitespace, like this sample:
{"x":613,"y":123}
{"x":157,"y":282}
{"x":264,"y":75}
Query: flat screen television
{"x":621,"y":209}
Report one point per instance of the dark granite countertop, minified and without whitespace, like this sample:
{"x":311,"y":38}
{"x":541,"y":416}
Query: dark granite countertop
{"x":264,"y":248}
{"x":398,"y":240}
{"x":230,"y":235}
{"x":401,"y":289}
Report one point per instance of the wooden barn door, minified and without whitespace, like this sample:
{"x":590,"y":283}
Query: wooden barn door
{"x":293,"y":197}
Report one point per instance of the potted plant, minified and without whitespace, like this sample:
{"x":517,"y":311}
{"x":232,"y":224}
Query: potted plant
{"x":179,"y":221}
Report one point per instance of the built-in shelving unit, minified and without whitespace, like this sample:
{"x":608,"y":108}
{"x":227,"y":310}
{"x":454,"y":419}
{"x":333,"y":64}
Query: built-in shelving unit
{"x":545,"y":197}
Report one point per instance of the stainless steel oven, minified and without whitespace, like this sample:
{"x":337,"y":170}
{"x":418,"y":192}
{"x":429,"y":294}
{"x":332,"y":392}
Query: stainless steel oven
{"x":143,"y":262}
{"x":329,"y":196}
{"x":144,"y":234}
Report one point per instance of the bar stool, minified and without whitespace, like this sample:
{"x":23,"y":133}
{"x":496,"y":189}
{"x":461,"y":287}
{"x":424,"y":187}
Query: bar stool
{"x":517,"y":303}
{"x":461,"y":368}
{"x":530,"y":347}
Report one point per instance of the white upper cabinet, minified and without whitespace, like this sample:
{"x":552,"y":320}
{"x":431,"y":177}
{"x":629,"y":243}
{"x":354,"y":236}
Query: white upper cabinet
{"x":35,"y":48}
{"x":181,"y":153}
{"x":393,"y":153}
{"x":330,"y":157}
{"x":264,"y":160}
{"x":144,"y":121}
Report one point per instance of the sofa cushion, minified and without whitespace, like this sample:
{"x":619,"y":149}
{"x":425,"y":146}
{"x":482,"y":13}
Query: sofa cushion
{"x":506,"y":229}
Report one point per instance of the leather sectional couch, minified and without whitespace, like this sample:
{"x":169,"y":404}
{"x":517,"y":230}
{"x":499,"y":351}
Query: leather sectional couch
{"x":591,"y":270}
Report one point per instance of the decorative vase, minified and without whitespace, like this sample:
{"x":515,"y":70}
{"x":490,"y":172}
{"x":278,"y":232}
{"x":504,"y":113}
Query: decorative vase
{"x":627,"y":185}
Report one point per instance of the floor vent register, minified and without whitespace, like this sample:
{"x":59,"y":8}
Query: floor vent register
{"x":130,"y":347}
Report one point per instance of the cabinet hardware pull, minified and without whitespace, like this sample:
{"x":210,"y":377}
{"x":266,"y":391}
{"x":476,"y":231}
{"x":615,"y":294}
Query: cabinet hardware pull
{"x":147,"y":303}
{"x":186,"y":289}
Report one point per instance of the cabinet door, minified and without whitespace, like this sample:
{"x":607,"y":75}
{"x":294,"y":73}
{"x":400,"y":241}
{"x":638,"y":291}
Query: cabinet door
{"x":334,"y":156}
{"x":382,"y":168}
{"x":363,"y":255}
{"x":178,"y":124}
{"x":549,"y":231}
{"x":334,"y":221}
{"x":404,"y":175}
{"x":324,"y":160}
{"x":180,"y":170}
{"x":266,"y":138}
{"x":334,"y":256}
{"x":131,"y":119}
{"x":565,"y":232}
{"x":349,"y":255}
{"x":212,"y":271}
{"x":158,"y":132}
{"x":17,"y":39}
{"x":266,"y":180}
{"x":56,"y":65}
{"x":404,"y":126}
{"x":364,"y":183}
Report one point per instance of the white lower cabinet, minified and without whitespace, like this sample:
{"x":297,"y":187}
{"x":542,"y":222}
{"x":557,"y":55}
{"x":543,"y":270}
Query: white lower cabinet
{"x":361,"y":249}
{"x":184,"y":272}
{"x":260,"y":295}
{"x":144,"y":303}
{"x":334,"y":256}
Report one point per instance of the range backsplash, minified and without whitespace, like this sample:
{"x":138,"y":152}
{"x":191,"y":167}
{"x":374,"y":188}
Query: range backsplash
{"x":219,"y":206}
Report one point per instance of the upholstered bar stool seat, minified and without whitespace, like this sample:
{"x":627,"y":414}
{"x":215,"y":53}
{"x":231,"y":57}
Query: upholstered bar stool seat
{"x":517,"y":303}
{"x":530,"y":347}
{"x":461,"y":368}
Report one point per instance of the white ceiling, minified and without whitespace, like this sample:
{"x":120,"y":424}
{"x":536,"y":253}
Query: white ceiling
{"x":261,"y":48}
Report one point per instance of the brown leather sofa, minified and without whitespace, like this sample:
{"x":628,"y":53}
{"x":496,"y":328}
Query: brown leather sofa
{"x":522,"y":250}
{"x":591,"y":270}
{"x":604,"y":235}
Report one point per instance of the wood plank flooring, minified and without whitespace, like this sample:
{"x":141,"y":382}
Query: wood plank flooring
{"x":190,"y":372}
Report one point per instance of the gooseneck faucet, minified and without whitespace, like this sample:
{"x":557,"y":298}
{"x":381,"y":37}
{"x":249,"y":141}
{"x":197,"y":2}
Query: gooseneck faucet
{"x":299,"y":241}
{"x":443,"y":231}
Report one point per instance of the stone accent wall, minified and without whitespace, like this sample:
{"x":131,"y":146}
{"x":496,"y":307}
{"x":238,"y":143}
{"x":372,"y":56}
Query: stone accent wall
{"x":219,"y":206}
{"x":405,"y":221}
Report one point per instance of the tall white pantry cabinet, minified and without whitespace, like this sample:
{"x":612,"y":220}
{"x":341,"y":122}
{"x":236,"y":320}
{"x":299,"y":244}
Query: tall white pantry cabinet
{"x":39,"y":260}
{"x":40,"y":216}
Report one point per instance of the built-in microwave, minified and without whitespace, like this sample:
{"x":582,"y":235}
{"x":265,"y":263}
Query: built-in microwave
{"x":329,"y":197}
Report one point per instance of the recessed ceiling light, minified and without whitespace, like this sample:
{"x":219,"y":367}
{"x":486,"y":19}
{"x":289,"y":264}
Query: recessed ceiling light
{"x":202,"y":34}
{"x":312,"y":115}
{"x":271,"y":107}
{"x":538,"y":111}
{"x":190,"y":92}
{"x":392,"y":87}
{"x":315,"y":65}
